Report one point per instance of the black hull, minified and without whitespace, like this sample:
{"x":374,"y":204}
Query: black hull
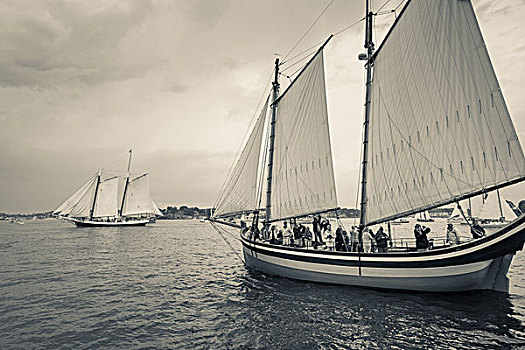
{"x":108,"y":224}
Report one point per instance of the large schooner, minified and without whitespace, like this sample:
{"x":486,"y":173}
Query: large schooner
{"x":108,"y":200}
{"x":436,"y":131}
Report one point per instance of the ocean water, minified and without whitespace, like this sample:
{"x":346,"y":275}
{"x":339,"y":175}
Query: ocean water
{"x":178,"y":284}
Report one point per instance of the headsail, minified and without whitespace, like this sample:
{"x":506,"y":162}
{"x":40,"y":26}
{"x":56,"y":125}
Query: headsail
{"x":83,"y":206}
{"x":66,"y":207}
{"x":156,"y":209}
{"x":239,"y":193}
{"x":439,"y":126}
{"x":303,"y":176}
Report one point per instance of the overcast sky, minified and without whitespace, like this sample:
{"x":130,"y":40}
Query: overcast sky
{"x":81,"y":82}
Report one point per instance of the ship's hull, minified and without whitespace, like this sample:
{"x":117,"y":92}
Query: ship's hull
{"x":88,"y":223}
{"x":476,"y":265}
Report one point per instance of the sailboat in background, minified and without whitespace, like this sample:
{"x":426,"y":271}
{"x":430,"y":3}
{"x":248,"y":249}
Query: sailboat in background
{"x":108,"y":200}
{"x":436,"y":131}
{"x":490,"y":209}
{"x":424,"y":216}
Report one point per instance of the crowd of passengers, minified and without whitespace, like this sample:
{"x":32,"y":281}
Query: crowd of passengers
{"x":295,"y":234}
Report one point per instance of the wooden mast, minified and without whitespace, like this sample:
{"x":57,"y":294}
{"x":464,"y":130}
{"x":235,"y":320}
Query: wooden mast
{"x":125,"y":186}
{"x":369,"y":45}
{"x":92,"y":211}
{"x":272,"y":141}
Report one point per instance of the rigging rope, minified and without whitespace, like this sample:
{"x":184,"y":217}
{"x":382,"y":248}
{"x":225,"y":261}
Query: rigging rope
{"x":308,"y":30}
{"x":218,"y":229}
{"x":313,"y":47}
{"x":245,"y":139}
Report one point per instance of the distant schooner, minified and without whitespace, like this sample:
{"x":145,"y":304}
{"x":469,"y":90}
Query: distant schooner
{"x":107,"y":200}
{"x":436,"y":131}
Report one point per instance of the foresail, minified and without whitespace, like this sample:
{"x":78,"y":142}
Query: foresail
{"x":82,"y":207}
{"x":239,"y":193}
{"x":66,"y":207}
{"x":303,"y":176}
{"x":107,"y":201}
{"x":138,"y":200}
{"x":156,"y":209}
{"x":439,"y":126}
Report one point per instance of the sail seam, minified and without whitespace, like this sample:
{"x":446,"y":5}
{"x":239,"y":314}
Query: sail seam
{"x":461,"y":82}
{"x":487,"y":80}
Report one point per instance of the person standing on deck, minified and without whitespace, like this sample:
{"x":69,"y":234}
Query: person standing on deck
{"x":354,"y":239}
{"x":340,"y":244}
{"x":329,"y":237}
{"x":476,"y":230}
{"x":286,"y":234}
{"x":420,"y":233}
{"x":368,"y":240}
{"x":273,"y":230}
{"x":307,"y":237}
{"x":381,"y":240}
{"x":318,"y":238}
{"x":452,"y":235}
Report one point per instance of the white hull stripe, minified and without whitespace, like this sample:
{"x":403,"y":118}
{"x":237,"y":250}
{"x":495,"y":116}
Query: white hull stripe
{"x":371,"y":271}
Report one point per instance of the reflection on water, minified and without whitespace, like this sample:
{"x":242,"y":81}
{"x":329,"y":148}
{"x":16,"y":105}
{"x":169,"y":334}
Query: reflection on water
{"x":178,"y":285}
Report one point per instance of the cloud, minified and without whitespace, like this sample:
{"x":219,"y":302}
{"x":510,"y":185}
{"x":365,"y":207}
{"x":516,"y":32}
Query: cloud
{"x":178,"y":81}
{"x":38,"y":180}
{"x":66,"y":41}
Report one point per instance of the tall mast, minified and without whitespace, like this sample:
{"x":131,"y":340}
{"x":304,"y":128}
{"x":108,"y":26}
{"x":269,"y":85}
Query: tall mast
{"x":369,"y":45}
{"x":272,"y":139}
{"x":126,"y":185}
{"x":92,"y":211}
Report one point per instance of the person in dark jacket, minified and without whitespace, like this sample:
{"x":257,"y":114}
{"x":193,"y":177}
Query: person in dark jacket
{"x":318,"y":238}
{"x":476,"y":230}
{"x":420,"y":232}
{"x":340,"y":244}
{"x":381,"y":239}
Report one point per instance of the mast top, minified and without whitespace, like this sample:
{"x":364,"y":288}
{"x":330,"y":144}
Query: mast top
{"x":129,"y":161}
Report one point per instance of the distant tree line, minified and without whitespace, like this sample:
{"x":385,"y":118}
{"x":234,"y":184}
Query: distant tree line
{"x":184,"y":212}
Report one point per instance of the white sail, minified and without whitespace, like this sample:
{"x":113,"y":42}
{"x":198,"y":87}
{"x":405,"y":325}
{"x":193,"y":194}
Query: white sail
{"x":424,"y":215}
{"x":303,"y":177}
{"x":138,"y":200}
{"x":439,"y":126}
{"x":508,"y":213}
{"x":107,"y":201}
{"x":240,"y":191}
{"x":491,"y":209}
{"x":66,"y":207}
{"x":156,"y":209}
{"x":82,"y":208}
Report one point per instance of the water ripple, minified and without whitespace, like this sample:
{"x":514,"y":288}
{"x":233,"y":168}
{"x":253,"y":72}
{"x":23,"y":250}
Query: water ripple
{"x":178,"y":285}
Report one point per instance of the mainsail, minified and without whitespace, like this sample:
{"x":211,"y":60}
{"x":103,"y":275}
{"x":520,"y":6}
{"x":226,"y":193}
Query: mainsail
{"x":107,"y":199}
{"x":240,"y":191}
{"x":440,"y":130}
{"x":138,"y":200}
{"x":303,"y":176}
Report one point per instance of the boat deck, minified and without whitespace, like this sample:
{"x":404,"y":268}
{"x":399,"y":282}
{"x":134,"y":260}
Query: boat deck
{"x":402,"y":245}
